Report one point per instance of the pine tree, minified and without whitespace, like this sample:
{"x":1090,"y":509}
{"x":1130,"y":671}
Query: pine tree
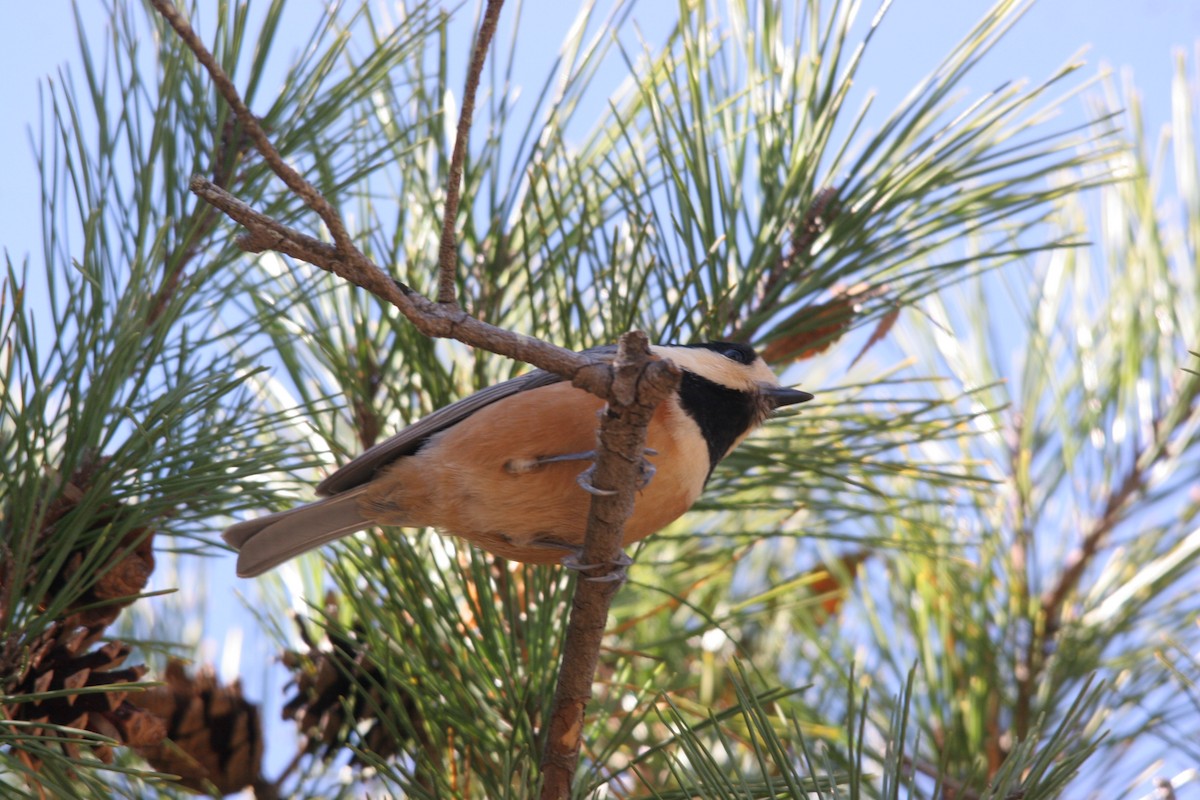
{"x":963,"y":572}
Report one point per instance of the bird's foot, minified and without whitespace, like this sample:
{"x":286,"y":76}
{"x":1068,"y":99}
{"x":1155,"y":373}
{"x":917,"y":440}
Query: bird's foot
{"x":523,"y":466}
{"x":646,"y":472}
{"x":584,"y":479}
{"x":618,"y":567}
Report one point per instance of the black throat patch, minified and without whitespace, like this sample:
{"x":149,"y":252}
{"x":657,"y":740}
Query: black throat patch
{"x":723,"y":414}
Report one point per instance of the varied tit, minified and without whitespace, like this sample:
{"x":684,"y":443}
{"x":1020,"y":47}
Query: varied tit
{"x":500,"y":468}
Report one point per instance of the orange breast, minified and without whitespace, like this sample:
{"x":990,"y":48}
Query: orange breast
{"x":462,"y":482}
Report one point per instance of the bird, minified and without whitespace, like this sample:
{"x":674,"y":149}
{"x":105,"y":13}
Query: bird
{"x":501,"y":468}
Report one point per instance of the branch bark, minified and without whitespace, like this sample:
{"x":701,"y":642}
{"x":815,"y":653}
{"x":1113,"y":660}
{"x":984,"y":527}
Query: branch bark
{"x":1054,"y":599}
{"x":293,"y":179}
{"x":430,"y":318}
{"x":345,"y":260}
{"x":639,"y":385}
{"x":633,"y":385}
{"x":448,"y":249}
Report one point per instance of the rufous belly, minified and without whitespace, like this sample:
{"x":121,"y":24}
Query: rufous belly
{"x":473,"y":480}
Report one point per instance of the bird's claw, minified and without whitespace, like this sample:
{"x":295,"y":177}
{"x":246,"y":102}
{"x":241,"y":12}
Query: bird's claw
{"x":646,"y":472}
{"x":619,"y":567}
{"x":584,"y":479}
{"x":522,"y":466}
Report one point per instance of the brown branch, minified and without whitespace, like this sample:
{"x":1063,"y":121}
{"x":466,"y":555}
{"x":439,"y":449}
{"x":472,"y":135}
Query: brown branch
{"x":639,"y":384}
{"x":294,"y":180}
{"x":430,"y":318}
{"x":1054,"y":599}
{"x":633,"y":387}
{"x":347,"y":262}
{"x":447,"y":250}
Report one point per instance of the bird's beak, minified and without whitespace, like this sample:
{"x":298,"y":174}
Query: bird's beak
{"x":784,"y":396}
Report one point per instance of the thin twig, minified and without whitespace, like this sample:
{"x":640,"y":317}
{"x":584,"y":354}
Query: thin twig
{"x":633,"y":387}
{"x":1054,"y":599}
{"x":431,"y":319}
{"x":639,"y":384}
{"x":346,"y":261}
{"x":820,"y":212}
{"x":294,"y":180}
{"x":448,"y":249}
{"x":1116,"y":509}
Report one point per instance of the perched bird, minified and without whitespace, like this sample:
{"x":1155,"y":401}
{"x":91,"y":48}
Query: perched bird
{"x":500,"y":468}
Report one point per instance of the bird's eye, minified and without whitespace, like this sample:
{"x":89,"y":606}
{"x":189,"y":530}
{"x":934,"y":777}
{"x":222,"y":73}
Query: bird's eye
{"x":741,"y":353}
{"x":734,"y":351}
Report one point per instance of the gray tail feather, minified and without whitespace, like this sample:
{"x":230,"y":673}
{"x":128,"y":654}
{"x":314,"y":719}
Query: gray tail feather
{"x":268,"y":541}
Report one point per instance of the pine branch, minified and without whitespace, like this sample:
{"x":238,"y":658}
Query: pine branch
{"x":1053,"y":600}
{"x":344,"y":259}
{"x":430,"y":318}
{"x":633,"y":386}
{"x":294,"y":180}
{"x":448,"y":251}
{"x":669,"y":224}
{"x":639,"y":385}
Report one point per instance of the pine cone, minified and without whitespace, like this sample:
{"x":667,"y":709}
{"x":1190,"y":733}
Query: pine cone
{"x":60,"y":657}
{"x":119,"y":582}
{"x":328,"y":676}
{"x":215,"y":734}
{"x":58,"y":663}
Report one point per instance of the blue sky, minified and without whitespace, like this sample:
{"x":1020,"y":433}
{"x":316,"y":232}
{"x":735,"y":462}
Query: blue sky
{"x":1135,"y":34}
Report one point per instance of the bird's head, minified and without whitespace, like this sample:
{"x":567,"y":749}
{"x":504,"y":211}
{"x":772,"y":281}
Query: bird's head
{"x":728,"y":390}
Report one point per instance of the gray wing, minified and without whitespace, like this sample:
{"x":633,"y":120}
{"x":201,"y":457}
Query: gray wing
{"x":409,"y":440}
